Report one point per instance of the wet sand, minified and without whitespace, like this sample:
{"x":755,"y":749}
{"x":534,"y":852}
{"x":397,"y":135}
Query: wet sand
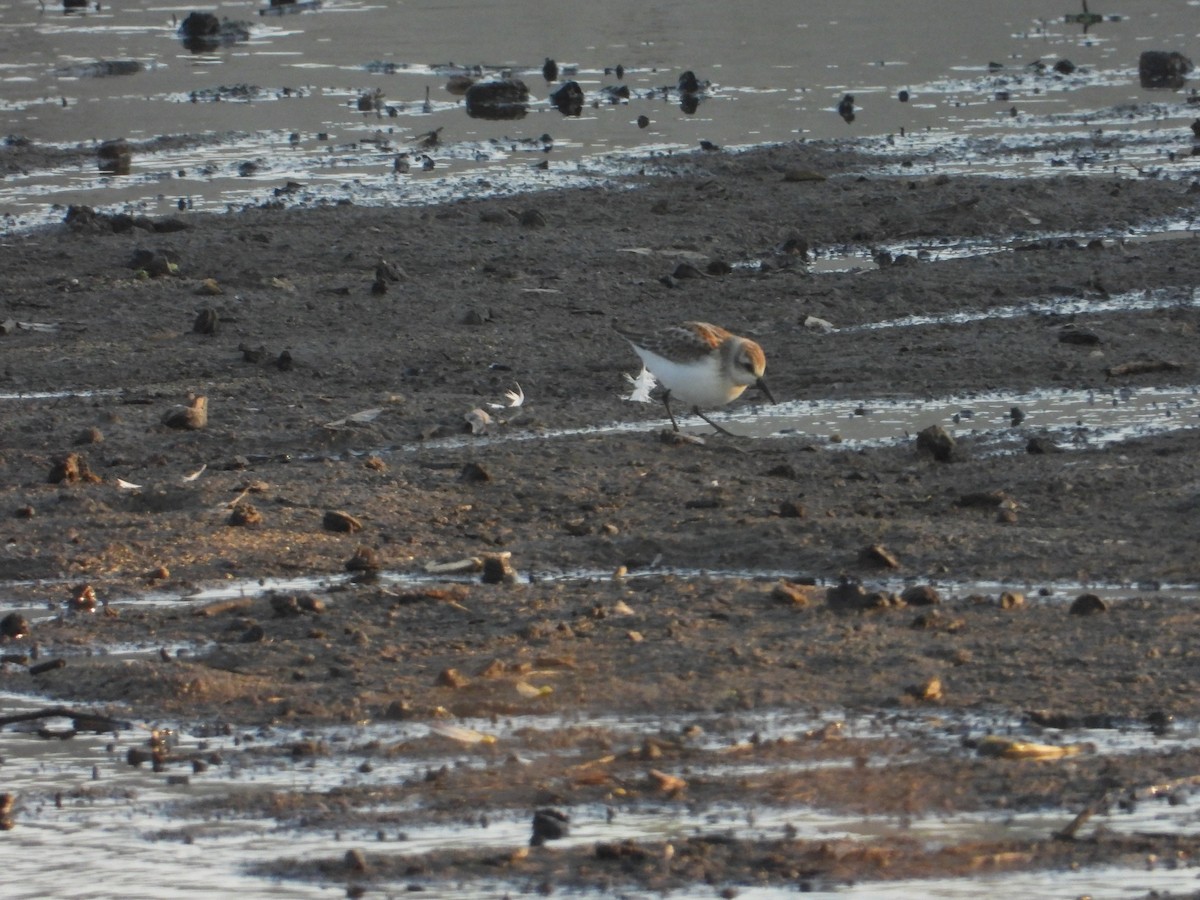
{"x":476,"y":296}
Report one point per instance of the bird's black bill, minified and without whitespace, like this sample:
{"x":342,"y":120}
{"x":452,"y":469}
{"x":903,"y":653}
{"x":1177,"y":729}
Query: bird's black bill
{"x":762,"y":386}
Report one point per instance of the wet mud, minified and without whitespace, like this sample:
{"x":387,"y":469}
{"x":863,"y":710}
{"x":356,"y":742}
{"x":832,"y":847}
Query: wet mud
{"x":339,"y":353}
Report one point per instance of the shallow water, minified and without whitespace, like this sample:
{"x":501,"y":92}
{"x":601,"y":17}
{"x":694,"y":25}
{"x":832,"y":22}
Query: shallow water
{"x":133,"y":833}
{"x":780,"y":79}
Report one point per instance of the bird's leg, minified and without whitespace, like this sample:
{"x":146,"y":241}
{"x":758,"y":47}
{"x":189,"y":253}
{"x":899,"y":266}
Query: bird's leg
{"x":721,"y":430}
{"x":667,"y":403}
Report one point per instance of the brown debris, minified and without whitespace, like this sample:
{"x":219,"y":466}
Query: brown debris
{"x":336,"y":520}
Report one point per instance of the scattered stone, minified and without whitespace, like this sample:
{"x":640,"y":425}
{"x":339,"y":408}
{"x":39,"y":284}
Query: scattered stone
{"x":255,"y":634}
{"x":1162,"y":69}
{"x":921,"y":595}
{"x":91,"y":435}
{"x":14,"y":626}
{"x":83,"y":599}
{"x":210,"y":288}
{"x":851,"y":595}
{"x":72,"y":469}
{"x":245,"y":515}
{"x":206,"y":321}
{"x":531,"y":218}
{"x":365,"y":559}
{"x":878,"y":555}
{"x":478,"y":421}
{"x":568,"y":99}
{"x":356,"y":861}
{"x":1016,"y":416}
{"x":937,"y":442}
{"x":336,"y":520}
{"x":192,"y":417}
{"x":452,"y":678}
{"x":504,"y":99}
{"x":792,"y":509}
{"x":473,"y":472}
{"x":671,"y":785}
{"x":796,"y":594}
{"x":115,"y":157}
{"x":1012,"y":600}
{"x":24,"y":512}
{"x":928,"y":691}
{"x":1087,"y":604}
{"x":292,"y":605}
{"x":1042,"y":444}
{"x":1072,"y":335}
{"x":984,"y":499}
{"x":153,"y":263}
{"x":643,"y":121}
{"x":497,"y":569}
{"x":549,"y":825}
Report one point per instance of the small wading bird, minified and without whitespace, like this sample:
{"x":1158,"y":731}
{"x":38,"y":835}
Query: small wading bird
{"x":700,"y":365}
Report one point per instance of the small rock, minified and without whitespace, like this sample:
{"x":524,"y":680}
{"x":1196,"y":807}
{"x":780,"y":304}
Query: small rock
{"x":921,"y":595}
{"x":245,"y":515}
{"x":851,"y":595}
{"x":666,"y":784}
{"x":1080,"y":336}
{"x":1162,"y":69}
{"x":452,"y":678}
{"x":643,"y":121}
{"x":796,"y":594}
{"x":356,"y":861}
{"x":14,"y":626}
{"x":473,"y":472}
{"x":206,"y":321}
{"x":192,"y":417}
{"x":91,"y":435}
{"x":115,"y":157}
{"x":335,"y":520}
{"x":209,"y":287}
{"x":531,"y":218}
{"x":936,"y":441}
{"x":255,"y":634}
{"x":1012,"y":600}
{"x":71,"y":469}
{"x":568,"y":99}
{"x":549,"y":825}
{"x":1042,"y":444}
{"x":497,"y":569}
{"x":929,"y":691}
{"x":478,"y":421}
{"x":1086,"y":604}
{"x":83,"y":599}
{"x":791,"y":509}
{"x":878,"y":555}
{"x":24,"y":512}
{"x":365,"y":559}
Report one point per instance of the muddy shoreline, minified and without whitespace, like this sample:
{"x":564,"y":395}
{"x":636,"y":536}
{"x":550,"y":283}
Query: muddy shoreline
{"x":418,"y":316}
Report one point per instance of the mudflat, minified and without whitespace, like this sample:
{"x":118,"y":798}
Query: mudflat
{"x":338,"y":355}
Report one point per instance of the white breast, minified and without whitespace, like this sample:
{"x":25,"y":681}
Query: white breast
{"x":703,"y":383}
